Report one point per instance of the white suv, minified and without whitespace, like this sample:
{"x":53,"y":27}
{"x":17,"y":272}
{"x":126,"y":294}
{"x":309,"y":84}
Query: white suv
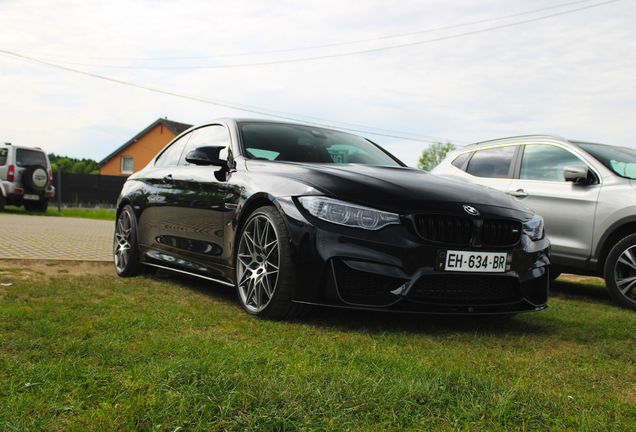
{"x":585,"y":193}
{"x":26,"y":178}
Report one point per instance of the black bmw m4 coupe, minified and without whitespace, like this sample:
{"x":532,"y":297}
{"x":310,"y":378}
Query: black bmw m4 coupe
{"x":294,"y":215}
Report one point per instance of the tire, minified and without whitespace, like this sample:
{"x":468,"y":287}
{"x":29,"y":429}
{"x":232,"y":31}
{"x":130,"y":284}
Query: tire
{"x":35,"y":178}
{"x":3,"y":202}
{"x":44,"y":205}
{"x":125,"y":245}
{"x":620,"y":272}
{"x":264,"y":270}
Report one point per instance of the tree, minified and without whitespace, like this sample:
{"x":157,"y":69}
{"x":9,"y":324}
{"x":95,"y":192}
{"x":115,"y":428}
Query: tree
{"x":73,"y":165}
{"x":79,"y":168}
{"x":92,"y":167}
{"x":65,"y":163}
{"x":434,"y":154}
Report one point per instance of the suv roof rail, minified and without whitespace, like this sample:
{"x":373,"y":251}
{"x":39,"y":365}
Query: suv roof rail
{"x":538,"y":136}
{"x":7,"y":143}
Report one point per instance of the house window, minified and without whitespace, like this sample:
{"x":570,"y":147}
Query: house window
{"x":126,"y":165}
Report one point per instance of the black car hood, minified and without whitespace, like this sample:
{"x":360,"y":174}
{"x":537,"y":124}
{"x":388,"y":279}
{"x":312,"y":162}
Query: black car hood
{"x":390,"y":188}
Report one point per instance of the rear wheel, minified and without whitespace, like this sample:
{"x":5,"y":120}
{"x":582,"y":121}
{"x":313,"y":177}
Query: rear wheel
{"x":125,"y":249}
{"x":3,"y":202}
{"x":620,"y":272}
{"x":44,"y":205}
{"x":264,"y":269}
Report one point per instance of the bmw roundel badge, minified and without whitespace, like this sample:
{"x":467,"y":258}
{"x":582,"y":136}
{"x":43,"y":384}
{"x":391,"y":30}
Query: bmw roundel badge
{"x":471,"y":210}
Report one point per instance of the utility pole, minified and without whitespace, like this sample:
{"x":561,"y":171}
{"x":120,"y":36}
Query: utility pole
{"x":59,"y":187}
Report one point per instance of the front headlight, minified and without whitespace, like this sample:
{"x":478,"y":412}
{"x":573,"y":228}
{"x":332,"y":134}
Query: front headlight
{"x":534,"y":227}
{"x":343,"y":213}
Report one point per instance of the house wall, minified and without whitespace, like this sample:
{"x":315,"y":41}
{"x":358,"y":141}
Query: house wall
{"x":142,"y":151}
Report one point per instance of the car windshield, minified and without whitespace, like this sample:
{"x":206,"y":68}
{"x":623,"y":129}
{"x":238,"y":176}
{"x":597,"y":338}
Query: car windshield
{"x":621,"y":160}
{"x":297,"y":143}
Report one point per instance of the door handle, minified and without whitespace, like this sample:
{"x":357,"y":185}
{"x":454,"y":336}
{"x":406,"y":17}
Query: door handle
{"x":168,"y":179}
{"x":519,"y":193}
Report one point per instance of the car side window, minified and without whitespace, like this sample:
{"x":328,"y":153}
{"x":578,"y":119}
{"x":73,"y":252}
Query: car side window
{"x":459,"y":161}
{"x":3,"y":156}
{"x":546,"y":162}
{"x":492,"y":162}
{"x":171,"y":155}
{"x":215,"y":135}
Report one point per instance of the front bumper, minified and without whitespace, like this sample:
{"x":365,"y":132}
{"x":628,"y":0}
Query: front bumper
{"x":394,"y":269}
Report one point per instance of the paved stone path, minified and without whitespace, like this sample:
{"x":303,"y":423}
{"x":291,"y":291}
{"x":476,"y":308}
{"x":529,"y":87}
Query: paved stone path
{"x":55,"y":238}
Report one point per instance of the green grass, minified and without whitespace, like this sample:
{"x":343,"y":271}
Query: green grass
{"x":166,"y":354}
{"x":99,"y":213}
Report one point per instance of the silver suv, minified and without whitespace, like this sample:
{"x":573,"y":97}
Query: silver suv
{"x":585,"y":193}
{"x":25,"y":178}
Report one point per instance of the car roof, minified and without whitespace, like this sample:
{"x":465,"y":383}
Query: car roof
{"x":281,"y":121}
{"x":526,"y":139}
{"x":9,"y":145}
{"x":519,"y":138}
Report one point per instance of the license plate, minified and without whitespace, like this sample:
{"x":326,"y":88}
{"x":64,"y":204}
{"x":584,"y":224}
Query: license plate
{"x":491,"y":262}
{"x":31,"y":197}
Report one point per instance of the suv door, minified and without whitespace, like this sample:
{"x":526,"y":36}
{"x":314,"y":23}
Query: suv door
{"x":568,"y":209}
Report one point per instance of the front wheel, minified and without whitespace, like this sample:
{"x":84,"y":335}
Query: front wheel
{"x":620,"y":272}
{"x":125,"y":250}
{"x":264,"y":269}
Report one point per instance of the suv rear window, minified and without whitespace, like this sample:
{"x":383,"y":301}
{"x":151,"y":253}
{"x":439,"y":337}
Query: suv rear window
{"x":26,"y":157}
{"x":3,"y":156}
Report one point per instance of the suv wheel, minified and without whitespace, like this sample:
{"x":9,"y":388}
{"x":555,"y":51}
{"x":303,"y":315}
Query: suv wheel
{"x":3,"y":202}
{"x":35,"y":178}
{"x":620,"y":272}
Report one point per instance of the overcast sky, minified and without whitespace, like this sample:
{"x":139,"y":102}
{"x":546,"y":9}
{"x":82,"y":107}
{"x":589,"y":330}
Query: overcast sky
{"x":412,"y":71}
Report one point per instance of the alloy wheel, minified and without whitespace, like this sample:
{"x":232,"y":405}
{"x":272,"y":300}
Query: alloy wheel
{"x":258,"y":262}
{"x":625,"y":273}
{"x":123,"y":248}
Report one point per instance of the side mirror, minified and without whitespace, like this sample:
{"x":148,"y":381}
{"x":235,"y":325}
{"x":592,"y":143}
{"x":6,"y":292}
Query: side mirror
{"x":207,"y":156}
{"x":576,"y":173}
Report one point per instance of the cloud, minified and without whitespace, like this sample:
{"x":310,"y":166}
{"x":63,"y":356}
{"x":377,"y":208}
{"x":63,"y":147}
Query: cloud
{"x":572,"y":74}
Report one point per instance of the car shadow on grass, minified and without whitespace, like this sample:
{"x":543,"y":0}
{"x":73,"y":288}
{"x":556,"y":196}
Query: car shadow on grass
{"x":370,"y":321}
{"x":581,"y":288}
{"x":432,"y":324}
